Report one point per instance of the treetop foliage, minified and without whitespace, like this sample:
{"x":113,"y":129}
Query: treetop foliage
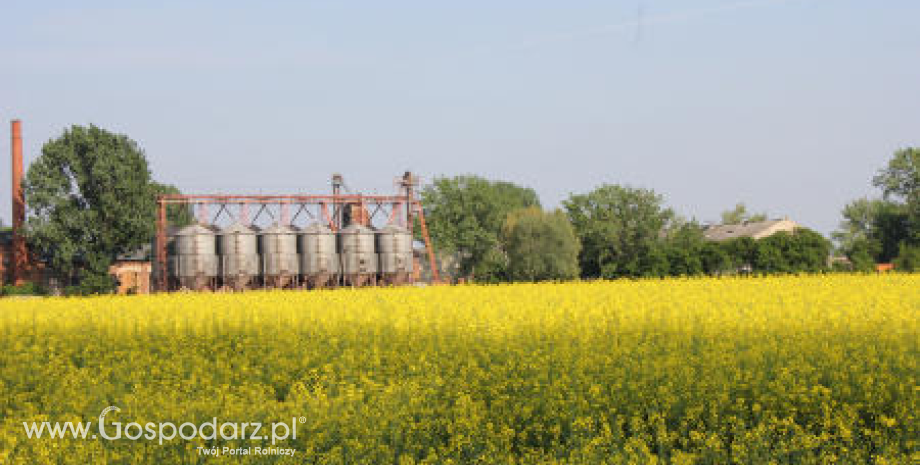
{"x":901,"y":177}
{"x":539,"y":245}
{"x":618,"y":227}
{"x":90,"y":198}
{"x":887,"y":229}
{"x":740,"y":214}
{"x":466,"y":213}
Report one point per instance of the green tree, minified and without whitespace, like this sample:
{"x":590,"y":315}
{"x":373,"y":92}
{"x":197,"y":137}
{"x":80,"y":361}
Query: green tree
{"x":872,"y":229}
{"x":908,"y":258}
{"x":862,"y":254}
{"x":540,"y":245}
{"x":619,"y":229}
{"x":715,"y":259}
{"x":741,"y":253}
{"x":740,"y":214}
{"x":798,"y":252}
{"x":771,"y":254}
{"x":655,"y":261}
{"x":900,"y":181}
{"x":176,"y":214}
{"x":683,"y":247}
{"x":90,"y":198}
{"x":901,"y":177}
{"x":808,"y":251}
{"x":858,"y":222}
{"x":465,"y":215}
{"x":878,"y":230}
{"x":891,"y":228}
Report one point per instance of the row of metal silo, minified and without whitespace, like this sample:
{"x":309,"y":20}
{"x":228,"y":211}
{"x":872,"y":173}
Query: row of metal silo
{"x":242,"y":257}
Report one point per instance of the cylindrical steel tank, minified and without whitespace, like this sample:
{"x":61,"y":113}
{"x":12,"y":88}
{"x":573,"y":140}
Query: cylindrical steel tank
{"x":359,"y":257}
{"x":239,"y":256}
{"x":319,"y":260}
{"x":280,"y":265}
{"x":195,"y":260}
{"x":394,"y":247}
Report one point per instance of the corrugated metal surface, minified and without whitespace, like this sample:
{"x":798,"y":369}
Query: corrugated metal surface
{"x":239,"y":254}
{"x":279,"y":251}
{"x":195,"y":252}
{"x":359,"y":256}
{"x":394,"y":245}
{"x":318,"y":250}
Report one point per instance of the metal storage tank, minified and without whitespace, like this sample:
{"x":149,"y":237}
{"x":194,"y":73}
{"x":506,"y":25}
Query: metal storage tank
{"x":195,"y":260}
{"x":394,"y":246}
{"x":280,"y":264}
{"x":359,"y":258}
{"x":239,"y":256}
{"x":319,"y":261}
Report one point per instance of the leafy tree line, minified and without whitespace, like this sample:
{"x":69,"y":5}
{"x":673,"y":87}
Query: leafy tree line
{"x":886,"y":229}
{"x":621,"y":231}
{"x":495,"y":230}
{"x":499,"y":233}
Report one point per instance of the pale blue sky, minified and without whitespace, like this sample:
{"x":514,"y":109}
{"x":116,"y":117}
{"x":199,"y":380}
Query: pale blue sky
{"x":787,"y":105}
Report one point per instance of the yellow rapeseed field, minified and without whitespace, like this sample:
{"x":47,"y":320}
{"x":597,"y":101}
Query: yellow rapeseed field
{"x":814,"y":369}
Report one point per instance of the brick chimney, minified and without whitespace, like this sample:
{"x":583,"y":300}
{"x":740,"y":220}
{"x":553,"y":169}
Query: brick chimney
{"x":19,"y":259}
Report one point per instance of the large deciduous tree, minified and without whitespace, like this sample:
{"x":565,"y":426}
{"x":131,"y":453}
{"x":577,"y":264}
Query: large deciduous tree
{"x":801,"y":251}
{"x":684,"y":247}
{"x":619,"y":229}
{"x":901,"y":177}
{"x":90,"y":198}
{"x":900,"y":181}
{"x":465,"y":215}
{"x":881,"y":230}
{"x":858,"y":222}
{"x":872,"y":231}
{"x":540,"y":245}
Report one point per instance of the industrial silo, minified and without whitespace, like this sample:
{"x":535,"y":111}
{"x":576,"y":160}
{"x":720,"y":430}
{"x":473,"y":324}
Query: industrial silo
{"x":394,"y":247}
{"x":195,"y":260}
{"x":359,"y":258}
{"x":239,"y":256}
{"x":280,"y":265}
{"x":319,"y":261}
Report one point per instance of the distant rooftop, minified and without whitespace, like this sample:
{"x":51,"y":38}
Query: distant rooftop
{"x":752,"y":229}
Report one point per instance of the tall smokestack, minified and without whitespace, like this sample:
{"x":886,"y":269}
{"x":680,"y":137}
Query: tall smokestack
{"x":20,"y":262}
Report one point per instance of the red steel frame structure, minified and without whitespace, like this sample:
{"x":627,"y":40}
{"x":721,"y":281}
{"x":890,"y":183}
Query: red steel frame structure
{"x":338,"y":202}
